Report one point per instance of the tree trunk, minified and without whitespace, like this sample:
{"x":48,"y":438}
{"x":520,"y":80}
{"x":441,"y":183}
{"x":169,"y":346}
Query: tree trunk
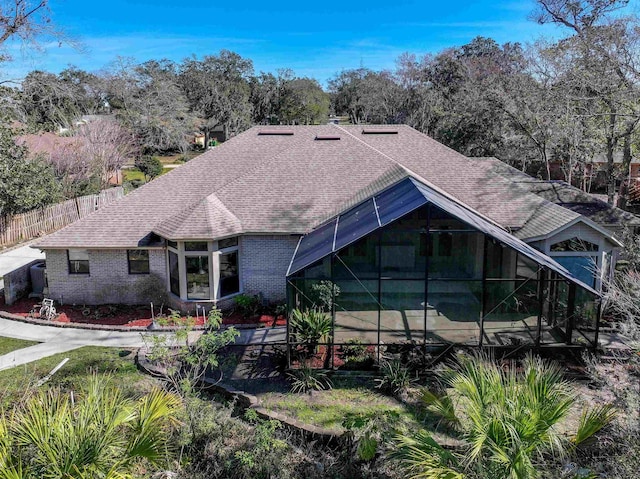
{"x":611,"y":179}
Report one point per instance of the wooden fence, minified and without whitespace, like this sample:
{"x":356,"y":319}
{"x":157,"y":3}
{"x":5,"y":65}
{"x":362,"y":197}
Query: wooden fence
{"x":26,"y":226}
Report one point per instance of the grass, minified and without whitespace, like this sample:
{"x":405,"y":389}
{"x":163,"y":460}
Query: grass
{"x":132,"y":174}
{"x":328,"y":409}
{"x":118,"y":363}
{"x":10,"y":344}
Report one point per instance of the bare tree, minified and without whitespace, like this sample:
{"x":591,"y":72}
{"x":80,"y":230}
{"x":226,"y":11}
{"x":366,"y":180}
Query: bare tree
{"x":99,"y":148}
{"x":30,"y":22}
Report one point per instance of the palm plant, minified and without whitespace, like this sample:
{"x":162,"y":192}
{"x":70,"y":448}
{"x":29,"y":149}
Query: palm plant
{"x":310,"y":327}
{"x":506,"y":420}
{"x":100,"y":433}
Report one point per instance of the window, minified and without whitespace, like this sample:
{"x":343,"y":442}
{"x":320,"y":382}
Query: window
{"x":174,"y":276}
{"x":196,"y":246}
{"x":197,"y":277}
{"x":227,"y":243}
{"x":78,"y":261}
{"x":172,"y":244}
{"x":138,"y":260}
{"x":229,"y":278}
{"x":574,"y":244}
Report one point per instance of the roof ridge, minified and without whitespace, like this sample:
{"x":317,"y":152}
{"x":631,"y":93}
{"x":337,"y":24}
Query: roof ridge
{"x":422,"y":179}
{"x":195,"y":203}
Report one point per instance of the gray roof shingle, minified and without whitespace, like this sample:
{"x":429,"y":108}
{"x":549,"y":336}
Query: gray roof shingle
{"x":290,"y":184}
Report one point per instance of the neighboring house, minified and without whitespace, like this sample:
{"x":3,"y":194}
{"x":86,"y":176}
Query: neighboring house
{"x":422,"y":243}
{"x":595,"y":170}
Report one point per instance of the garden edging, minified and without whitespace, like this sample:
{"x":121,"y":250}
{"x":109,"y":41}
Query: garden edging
{"x":249,"y":401}
{"x":107,"y":327}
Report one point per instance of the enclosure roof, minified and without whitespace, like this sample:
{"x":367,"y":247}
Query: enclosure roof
{"x":290,"y":183}
{"x":393,"y":203}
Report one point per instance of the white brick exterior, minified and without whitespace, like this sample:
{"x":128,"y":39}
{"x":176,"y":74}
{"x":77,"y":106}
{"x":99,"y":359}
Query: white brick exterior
{"x":263,"y":267}
{"x":108,"y":280}
{"x":264,"y":261}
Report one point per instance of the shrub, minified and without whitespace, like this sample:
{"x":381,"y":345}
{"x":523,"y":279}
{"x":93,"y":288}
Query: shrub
{"x":247,"y":305}
{"x":99,"y":433}
{"x":322,"y":294}
{"x":507,"y":420}
{"x":310,"y":327}
{"x":150,"y":166}
{"x":368,"y":432}
{"x":396,"y":377}
{"x":356,"y":354}
{"x":307,"y":379}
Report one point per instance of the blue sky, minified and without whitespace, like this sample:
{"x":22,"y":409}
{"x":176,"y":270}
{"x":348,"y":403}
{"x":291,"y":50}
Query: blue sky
{"x":313,"y":38}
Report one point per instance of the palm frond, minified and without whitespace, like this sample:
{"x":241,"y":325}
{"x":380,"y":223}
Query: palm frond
{"x":424,"y":458}
{"x":593,"y":421}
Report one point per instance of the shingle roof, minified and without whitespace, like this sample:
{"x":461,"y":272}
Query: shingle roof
{"x":289,"y":184}
{"x":565,"y":195}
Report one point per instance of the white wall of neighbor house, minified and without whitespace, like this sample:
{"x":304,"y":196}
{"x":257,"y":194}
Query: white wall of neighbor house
{"x":264,"y":261}
{"x":108,"y":281}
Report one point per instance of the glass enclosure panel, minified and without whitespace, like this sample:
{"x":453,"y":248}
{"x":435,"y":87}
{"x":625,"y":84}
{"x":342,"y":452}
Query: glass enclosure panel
{"x":314,"y":246}
{"x":402,"y":315}
{"x":455,"y":255}
{"x":197,"y":277}
{"x":356,"y":223}
{"x":174,"y":275}
{"x":586,"y":317}
{"x":320,"y":269}
{"x":359,"y":260}
{"x":440,"y":220}
{"x":501,"y":260}
{"x":196,"y":246}
{"x":556,"y":311}
{"x":356,"y":310}
{"x":526,"y":268}
{"x":396,"y":202}
{"x":314,"y":293}
{"x":511,"y":312}
{"x":453,"y":311}
{"x":229,"y":278}
{"x":403,"y":254}
{"x":582,"y":267}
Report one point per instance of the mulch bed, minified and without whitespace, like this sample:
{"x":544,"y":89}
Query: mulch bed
{"x":122,"y":315}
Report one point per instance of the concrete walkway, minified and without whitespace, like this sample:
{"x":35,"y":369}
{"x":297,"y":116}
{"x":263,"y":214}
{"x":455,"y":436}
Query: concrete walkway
{"x":15,"y":258}
{"x":59,"y":340}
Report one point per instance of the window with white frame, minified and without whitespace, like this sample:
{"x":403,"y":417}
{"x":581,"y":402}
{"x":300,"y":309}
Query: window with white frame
{"x":229,"y":267}
{"x":199,"y":272}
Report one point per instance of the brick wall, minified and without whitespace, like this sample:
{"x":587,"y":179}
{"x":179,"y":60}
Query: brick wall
{"x":109,"y":280}
{"x":264,"y":261}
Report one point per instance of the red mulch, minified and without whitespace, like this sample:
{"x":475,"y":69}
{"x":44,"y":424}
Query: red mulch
{"x":121,"y":315}
{"x":267,"y":320}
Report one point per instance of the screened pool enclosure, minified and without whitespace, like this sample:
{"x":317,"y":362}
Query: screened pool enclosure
{"x":411,"y":265}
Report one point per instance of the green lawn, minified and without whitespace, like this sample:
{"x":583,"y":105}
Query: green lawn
{"x":9,"y":344}
{"x":135,"y":174}
{"x":328,"y":409}
{"x":118,"y":363}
